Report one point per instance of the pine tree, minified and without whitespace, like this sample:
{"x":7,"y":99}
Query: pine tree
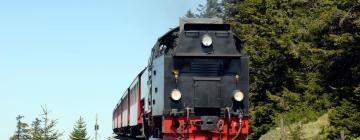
{"x":190,"y":14}
{"x":79,"y":132}
{"x":36,"y":130}
{"x":212,"y":8}
{"x":304,"y":59}
{"x":43,"y":128}
{"x":22,"y":131}
{"x":48,"y":130}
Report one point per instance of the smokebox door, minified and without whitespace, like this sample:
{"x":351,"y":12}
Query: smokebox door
{"x":207,"y":92}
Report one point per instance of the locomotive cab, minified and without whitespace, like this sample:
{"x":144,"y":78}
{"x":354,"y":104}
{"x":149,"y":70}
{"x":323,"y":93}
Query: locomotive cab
{"x":199,"y":82}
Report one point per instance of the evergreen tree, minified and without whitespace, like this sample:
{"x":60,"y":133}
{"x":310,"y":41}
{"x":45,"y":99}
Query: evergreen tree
{"x":190,"y":14}
{"x":212,"y":8}
{"x":36,"y":130}
{"x":79,"y":132}
{"x":305,"y":60}
{"x":22,"y":131}
{"x":48,"y":130}
{"x":345,"y":117}
{"x":43,"y":128}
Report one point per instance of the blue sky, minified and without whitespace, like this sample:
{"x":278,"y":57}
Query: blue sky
{"x":76,"y":56}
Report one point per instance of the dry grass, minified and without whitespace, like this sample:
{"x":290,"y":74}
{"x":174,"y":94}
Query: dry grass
{"x":308,"y":131}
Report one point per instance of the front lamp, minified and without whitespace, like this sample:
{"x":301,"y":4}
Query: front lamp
{"x":238,"y":95}
{"x":175,"y":95}
{"x":206,"y":40}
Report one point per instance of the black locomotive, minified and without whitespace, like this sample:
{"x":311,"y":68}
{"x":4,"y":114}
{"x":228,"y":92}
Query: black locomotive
{"x":195,"y":86}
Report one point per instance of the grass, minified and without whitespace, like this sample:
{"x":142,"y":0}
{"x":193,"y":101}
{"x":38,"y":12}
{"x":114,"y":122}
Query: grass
{"x":307,"y":131}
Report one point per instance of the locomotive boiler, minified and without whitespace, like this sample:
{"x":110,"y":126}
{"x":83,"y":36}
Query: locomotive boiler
{"x":195,"y":86}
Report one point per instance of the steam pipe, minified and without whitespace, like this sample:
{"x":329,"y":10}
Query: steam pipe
{"x":240,"y":127}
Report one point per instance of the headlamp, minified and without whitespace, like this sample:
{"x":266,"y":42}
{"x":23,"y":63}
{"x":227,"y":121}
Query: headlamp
{"x":238,"y":95}
{"x":175,"y":95}
{"x":206,"y":40}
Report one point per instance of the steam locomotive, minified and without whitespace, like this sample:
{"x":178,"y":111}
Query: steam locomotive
{"x":195,"y":86}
